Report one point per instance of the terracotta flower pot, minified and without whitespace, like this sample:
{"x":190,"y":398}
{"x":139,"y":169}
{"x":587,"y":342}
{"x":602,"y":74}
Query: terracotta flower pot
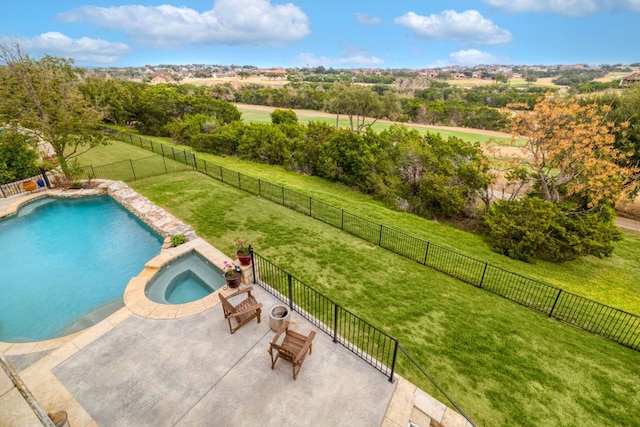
{"x":29,"y":185}
{"x":245,"y":259}
{"x":233,"y":281}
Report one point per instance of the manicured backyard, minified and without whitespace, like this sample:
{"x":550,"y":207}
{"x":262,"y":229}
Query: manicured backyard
{"x":503,"y":363}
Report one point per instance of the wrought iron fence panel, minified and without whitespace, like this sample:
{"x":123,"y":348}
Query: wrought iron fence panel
{"x":249,"y":184}
{"x":592,"y":316}
{"x":363,"y":228}
{"x":363,"y":339}
{"x":404,"y":244}
{"x":298,"y":202}
{"x":272,"y":192}
{"x":523,"y":290}
{"x":455,"y":264}
{"x":326,"y":213}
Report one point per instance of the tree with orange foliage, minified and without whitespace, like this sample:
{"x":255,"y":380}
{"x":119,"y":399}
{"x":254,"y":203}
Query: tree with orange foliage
{"x":570,"y":151}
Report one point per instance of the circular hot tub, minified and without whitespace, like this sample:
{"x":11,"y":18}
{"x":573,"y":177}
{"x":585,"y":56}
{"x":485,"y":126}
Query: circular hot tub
{"x":187,"y":278}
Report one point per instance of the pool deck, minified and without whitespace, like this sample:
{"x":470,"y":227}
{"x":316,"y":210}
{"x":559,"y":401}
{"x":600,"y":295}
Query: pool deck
{"x":152,"y":364}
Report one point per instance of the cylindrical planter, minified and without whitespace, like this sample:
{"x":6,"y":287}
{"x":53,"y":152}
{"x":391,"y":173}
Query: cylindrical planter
{"x":245,"y":259}
{"x":234,"y":282}
{"x":277,"y":315}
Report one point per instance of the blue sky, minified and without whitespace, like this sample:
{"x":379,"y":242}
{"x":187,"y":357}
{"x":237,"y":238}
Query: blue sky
{"x":332,"y":33}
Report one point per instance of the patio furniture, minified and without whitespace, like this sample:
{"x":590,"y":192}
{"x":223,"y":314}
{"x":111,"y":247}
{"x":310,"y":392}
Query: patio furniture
{"x":293,"y":348}
{"x":243,"y":312}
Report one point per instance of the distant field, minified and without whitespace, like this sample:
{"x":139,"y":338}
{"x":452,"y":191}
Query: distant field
{"x":541,"y":82}
{"x":261,"y":114}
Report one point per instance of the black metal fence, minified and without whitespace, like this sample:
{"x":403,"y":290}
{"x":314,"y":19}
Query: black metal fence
{"x":609,"y":322}
{"x":26,"y":180}
{"x":372,"y":345}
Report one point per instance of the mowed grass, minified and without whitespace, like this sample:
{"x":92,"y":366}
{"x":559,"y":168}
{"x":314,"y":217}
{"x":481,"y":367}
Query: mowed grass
{"x":612,"y":281}
{"x":504,"y":364}
{"x":252,"y":115}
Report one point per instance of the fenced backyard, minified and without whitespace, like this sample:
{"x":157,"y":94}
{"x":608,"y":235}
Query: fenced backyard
{"x":592,"y":316}
{"x":609,"y":322}
{"x":504,"y":352}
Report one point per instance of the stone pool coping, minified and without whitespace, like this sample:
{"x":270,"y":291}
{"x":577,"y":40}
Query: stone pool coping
{"x":135,"y":300}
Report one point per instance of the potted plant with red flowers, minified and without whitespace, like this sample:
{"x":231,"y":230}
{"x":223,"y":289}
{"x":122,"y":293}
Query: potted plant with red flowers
{"x":242,"y":252}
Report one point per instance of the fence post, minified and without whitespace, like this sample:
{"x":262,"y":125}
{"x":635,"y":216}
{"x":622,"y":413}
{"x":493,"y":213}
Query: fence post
{"x":152,"y":149}
{"x":164,"y":161}
{"x":253,"y":263}
{"x":555,"y":302}
{"x":195,"y":162}
{"x":141,"y":146}
{"x":173,"y":152}
{"x":184,"y":153}
{"x":483,"y":273}
{"x":206,"y":172}
{"x":44,"y":177}
{"x":393,"y":362}
{"x":335,"y":322}
{"x":131,"y":139}
{"x":380,"y":236}
{"x":133,"y":170}
{"x":282,"y":195}
{"x":93,"y":172}
{"x":290,"y":284}
{"x":426,"y":253}
{"x":221,"y":175}
{"x":239,"y":183}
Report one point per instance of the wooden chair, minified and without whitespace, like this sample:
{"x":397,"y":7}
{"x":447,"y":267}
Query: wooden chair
{"x":293,"y":348}
{"x":243,"y":312}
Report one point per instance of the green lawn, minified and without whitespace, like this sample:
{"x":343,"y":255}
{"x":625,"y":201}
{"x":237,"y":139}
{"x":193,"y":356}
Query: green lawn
{"x":504,"y":364}
{"x":612,"y":281}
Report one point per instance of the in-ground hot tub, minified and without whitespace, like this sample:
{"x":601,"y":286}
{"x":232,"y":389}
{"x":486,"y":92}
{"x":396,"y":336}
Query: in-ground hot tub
{"x":187,"y":278}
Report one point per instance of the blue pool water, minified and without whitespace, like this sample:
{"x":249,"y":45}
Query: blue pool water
{"x":185,"y":279}
{"x":64,"y":265}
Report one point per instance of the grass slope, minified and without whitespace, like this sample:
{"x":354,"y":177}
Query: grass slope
{"x":612,"y":281}
{"x":504,"y":364}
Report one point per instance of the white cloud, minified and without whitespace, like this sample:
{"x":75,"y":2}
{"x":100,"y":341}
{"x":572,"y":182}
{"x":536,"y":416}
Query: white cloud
{"x":633,"y":5}
{"x":252,"y":22}
{"x":365,"y":18}
{"x":472,"y":57}
{"x":81,"y":50}
{"x":562,"y":7}
{"x":468,"y":27}
{"x":353,"y":56}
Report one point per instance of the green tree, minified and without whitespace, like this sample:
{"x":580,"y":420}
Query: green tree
{"x":114,"y":98}
{"x":279,"y":116}
{"x":531,"y":227}
{"x":44,"y":96}
{"x":359,"y":103}
{"x":17,"y":155}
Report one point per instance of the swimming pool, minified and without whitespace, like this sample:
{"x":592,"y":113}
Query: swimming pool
{"x":187,"y":278}
{"x":64,"y":265}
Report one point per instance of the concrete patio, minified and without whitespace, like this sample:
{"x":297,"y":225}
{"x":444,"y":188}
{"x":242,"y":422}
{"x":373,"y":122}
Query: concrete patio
{"x":134,"y":371}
